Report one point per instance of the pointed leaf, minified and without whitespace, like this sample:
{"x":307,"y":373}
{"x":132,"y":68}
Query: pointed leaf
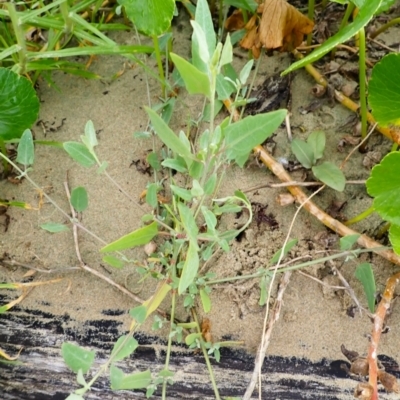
{"x":136,"y":238}
{"x":365,"y":275}
{"x":188,"y":222}
{"x":347,"y":242}
{"x":190,"y":268}
{"x":317,"y":142}
{"x":76,"y":357}
{"x":26,"y":151}
{"x":54,"y":227}
{"x":196,"y":81}
{"x":303,"y":152}
{"x":79,"y":198}
{"x":120,"y":352}
{"x":80,"y":153}
{"x":364,"y":15}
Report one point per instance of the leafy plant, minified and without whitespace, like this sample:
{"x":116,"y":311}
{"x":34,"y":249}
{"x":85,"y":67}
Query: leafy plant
{"x":310,"y":151}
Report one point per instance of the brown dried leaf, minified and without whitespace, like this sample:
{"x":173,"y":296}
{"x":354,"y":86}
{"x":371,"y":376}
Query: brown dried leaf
{"x":388,"y":381}
{"x":235,"y":21}
{"x":282,"y":25}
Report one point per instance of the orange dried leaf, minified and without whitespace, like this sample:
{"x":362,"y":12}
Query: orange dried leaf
{"x":282,"y":25}
{"x":235,"y":21}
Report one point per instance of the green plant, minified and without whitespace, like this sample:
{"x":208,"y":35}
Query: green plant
{"x":310,"y":151}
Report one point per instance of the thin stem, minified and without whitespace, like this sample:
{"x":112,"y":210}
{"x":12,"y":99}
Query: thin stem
{"x":311,"y":8}
{"x":20,"y":38}
{"x":159,"y":63}
{"x":384,"y":27}
{"x":362,"y":83}
{"x":360,"y":216}
{"x":3,"y":150}
{"x":347,"y":14}
{"x":67,"y":20}
{"x":207,"y":359}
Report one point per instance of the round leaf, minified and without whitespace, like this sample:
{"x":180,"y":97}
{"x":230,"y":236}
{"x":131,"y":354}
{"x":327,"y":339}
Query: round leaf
{"x":151,"y":17}
{"x":19,"y":104}
{"x":384,"y":90}
{"x":384,"y":186}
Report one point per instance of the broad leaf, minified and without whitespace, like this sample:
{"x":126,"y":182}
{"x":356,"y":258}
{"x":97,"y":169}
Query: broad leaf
{"x":347,"y":242}
{"x":364,"y":15}
{"x":188,"y":222}
{"x":151,"y":17}
{"x":138,"y":380}
{"x":384,"y":186}
{"x":119,"y":351}
{"x":76,"y":357}
{"x":19,"y":104}
{"x":331,"y":175}
{"x":205,"y":300}
{"x":54,"y":227}
{"x":384,"y":90}
{"x":317,"y":142}
{"x":394,"y":237}
{"x":242,"y":136}
{"x":136,"y":238}
{"x":196,"y":81}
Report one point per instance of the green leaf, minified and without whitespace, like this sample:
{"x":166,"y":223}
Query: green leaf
{"x":365,"y":275}
{"x":120,"y":381}
{"x":331,"y":175}
{"x":245,"y":72}
{"x":151,"y":195}
{"x":151,"y":17}
{"x":113,"y":261}
{"x":90,"y":138}
{"x":74,"y":396}
{"x":242,"y":136}
{"x":203,"y":18}
{"x":136,"y":238}
{"x":227,"y":52}
{"x":197,"y":190}
{"x":347,"y":242}
{"x":249,"y":5}
{"x":80,"y":153}
{"x":188,"y":222}
{"x":384,"y":186}
{"x":384,"y":90}
{"x":211,"y":220}
{"x":364,"y":15}
{"x":26,"y":151}
{"x":205,"y":300}
{"x":289,"y":245}
{"x":224,"y":87}
{"x":196,"y":81}
{"x":190,"y":268}
{"x":79,"y":198}
{"x":394,"y":237}
{"x":303,"y":152}
{"x":191,"y":338}
{"x":184,"y":194}
{"x":385,"y":5}
{"x":19,"y":104}
{"x":178,"y":164}
{"x":210,"y":185}
{"x":76,"y":357}
{"x":317,"y":142}
{"x":200,"y":37}
{"x":139,"y":314}
{"x":167,"y":136}
{"x":152,"y":159}
{"x":127,"y":349}
{"x":53,"y":227}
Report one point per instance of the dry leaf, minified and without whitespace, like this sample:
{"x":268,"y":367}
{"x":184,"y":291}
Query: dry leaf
{"x":282,"y":25}
{"x":235,"y":21}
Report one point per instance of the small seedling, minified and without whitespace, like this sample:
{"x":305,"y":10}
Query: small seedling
{"x":310,"y":151}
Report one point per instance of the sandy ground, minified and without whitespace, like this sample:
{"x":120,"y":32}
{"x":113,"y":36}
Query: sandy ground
{"x":314,"y":321}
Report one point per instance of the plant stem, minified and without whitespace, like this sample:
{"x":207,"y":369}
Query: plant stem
{"x":360,"y":216}
{"x":67,"y":20}
{"x":311,"y":8}
{"x":362,"y":83}
{"x":349,"y":11}
{"x":20,"y":38}
{"x":384,"y":27}
{"x":207,"y":359}
{"x":159,"y":63}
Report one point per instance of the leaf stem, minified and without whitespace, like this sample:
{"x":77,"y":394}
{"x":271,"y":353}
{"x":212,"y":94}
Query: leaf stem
{"x":20,"y":38}
{"x":159,"y":63}
{"x":384,"y":27}
{"x":362,"y":83}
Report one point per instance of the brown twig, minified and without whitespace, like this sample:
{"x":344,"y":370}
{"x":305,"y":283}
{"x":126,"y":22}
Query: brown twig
{"x":379,"y":319}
